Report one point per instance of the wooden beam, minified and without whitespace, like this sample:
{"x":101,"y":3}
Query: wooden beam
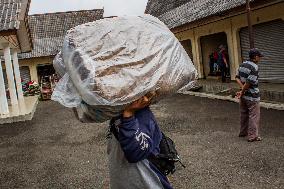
{"x":8,"y":32}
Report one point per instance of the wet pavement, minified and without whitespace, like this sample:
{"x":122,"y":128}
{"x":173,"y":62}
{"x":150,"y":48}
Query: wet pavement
{"x":54,"y":150}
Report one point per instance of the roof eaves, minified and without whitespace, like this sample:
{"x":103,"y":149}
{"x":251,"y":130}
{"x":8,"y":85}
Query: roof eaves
{"x":9,"y":14}
{"x":24,"y":35}
{"x":8,"y":32}
{"x":193,"y":11}
{"x":76,"y":11}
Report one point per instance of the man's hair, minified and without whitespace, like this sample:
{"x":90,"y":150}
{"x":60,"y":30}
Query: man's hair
{"x":254,"y":52}
{"x":222,"y":46}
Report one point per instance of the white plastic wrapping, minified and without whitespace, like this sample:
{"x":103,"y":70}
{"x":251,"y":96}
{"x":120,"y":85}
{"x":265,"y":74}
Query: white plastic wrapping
{"x":58,"y":65}
{"x":114,"y":61}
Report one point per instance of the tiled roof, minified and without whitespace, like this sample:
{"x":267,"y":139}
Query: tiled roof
{"x":48,"y":30}
{"x":158,"y":7}
{"x":195,"y":10}
{"x":9,"y":14}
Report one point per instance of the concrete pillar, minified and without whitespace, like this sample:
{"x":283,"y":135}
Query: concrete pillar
{"x":234,"y":48}
{"x":10,"y":75}
{"x":197,"y":55}
{"x":231,"y":53}
{"x":194,"y":58}
{"x":17,"y":75}
{"x":33,"y":73}
{"x":3,"y":99}
{"x":237,"y":47}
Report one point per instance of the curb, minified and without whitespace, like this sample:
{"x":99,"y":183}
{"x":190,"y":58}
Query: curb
{"x":266,"y":105}
{"x":21,"y":117}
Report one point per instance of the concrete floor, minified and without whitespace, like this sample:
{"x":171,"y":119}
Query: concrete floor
{"x":54,"y":150}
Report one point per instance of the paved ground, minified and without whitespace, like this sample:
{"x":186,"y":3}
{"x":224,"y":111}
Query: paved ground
{"x":54,"y":150}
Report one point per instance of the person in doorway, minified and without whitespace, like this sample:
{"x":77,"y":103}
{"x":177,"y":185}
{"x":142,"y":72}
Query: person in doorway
{"x":211,"y":64}
{"x":247,"y":78}
{"x":134,"y":137}
{"x":223,"y":62}
{"x":215,"y":57}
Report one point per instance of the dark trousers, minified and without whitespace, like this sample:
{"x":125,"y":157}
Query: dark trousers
{"x":211,"y":66}
{"x":224,"y":72}
{"x":250,"y":116}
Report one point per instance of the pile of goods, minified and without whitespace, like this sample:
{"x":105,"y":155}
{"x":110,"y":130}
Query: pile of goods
{"x":107,"y":64}
{"x":30,"y":88}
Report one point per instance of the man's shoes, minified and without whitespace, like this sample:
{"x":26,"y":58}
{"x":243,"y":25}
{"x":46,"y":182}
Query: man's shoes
{"x":254,"y":139}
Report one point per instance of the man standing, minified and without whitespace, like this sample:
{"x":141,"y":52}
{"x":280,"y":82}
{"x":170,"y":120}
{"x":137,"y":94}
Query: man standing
{"x":223,"y":63}
{"x":247,"y":78}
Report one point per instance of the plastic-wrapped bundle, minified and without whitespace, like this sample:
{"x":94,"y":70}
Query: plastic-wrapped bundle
{"x":58,"y":65}
{"x":109,"y":63}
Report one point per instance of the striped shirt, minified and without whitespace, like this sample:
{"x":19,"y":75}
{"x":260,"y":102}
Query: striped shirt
{"x":248,"y":73}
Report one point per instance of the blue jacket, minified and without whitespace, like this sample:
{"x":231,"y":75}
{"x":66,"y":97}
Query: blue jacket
{"x":139,"y":137}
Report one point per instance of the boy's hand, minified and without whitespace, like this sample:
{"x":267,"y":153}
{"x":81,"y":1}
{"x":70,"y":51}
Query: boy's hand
{"x":136,"y":105}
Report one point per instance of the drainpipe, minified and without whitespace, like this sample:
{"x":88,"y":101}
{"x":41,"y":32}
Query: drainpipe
{"x":250,"y":29}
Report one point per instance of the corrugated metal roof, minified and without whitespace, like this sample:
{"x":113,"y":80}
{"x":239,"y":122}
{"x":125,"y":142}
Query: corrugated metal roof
{"x":9,"y":14}
{"x":48,"y":30}
{"x":195,"y":10}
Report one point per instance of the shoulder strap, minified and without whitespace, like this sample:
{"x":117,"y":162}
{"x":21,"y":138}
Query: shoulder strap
{"x":168,"y":149}
{"x":114,"y":126}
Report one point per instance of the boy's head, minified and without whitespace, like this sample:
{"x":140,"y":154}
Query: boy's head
{"x":150,"y":96}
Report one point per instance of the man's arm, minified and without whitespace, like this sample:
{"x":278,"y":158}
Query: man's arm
{"x":239,"y":82}
{"x":244,"y":88}
{"x":251,"y":80}
{"x":225,"y":60}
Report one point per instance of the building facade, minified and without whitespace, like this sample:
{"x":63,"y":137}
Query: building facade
{"x":203,"y":25}
{"x":14,"y":38}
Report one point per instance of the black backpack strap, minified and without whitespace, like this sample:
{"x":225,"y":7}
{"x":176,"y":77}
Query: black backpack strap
{"x":168,"y":149}
{"x":114,"y":126}
{"x":168,"y":156}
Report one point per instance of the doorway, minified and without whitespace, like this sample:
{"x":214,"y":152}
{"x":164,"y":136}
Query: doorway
{"x":210,"y":47}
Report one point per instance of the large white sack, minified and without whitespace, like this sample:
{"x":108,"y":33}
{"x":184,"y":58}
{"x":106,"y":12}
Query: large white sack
{"x":114,"y":61}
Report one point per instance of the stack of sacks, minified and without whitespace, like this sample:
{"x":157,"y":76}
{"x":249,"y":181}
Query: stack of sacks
{"x":107,"y":64}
